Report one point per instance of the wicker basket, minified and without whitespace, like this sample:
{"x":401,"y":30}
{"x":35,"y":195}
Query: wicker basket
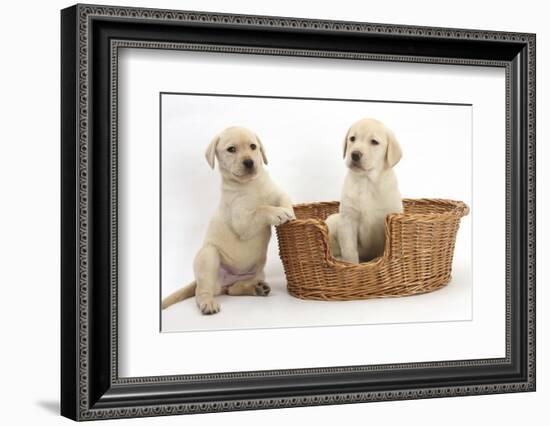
{"x":417,"y":258}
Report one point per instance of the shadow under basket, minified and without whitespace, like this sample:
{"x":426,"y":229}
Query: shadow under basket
{"x":418,"y":253}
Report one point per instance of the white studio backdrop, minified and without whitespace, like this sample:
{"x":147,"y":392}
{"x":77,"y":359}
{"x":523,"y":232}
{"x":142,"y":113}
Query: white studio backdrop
{"x":303,"y":140}
{"x":475,"y":334}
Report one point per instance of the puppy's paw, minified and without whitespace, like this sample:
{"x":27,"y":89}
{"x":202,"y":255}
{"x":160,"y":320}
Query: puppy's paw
{"x":280,"y":215}
{"x":209,"y":307}
{"x":262,"y":289}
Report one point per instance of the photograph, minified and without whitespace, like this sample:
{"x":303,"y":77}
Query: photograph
{"x":241,"y":175}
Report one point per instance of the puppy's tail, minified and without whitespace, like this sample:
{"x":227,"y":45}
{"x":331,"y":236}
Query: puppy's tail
{"x":179,"y":295}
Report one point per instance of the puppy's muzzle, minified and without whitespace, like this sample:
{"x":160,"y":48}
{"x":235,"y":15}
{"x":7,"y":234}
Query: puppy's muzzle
{"x":356,"y":156}
{"x":248,"y":164}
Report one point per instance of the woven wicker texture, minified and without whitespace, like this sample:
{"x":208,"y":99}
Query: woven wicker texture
{"x":418,"y":253}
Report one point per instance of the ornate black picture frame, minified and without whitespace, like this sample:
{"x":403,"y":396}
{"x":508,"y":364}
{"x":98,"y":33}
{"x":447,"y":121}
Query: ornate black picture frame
{"x":90,"y":385}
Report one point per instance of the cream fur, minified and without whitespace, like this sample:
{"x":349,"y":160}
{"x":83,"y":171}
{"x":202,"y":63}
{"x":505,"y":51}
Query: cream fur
{"x":240,"y":229}
{"x":369,"y":194}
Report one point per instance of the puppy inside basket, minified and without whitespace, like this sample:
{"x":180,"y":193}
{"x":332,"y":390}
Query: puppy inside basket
{"x":370,"y":192}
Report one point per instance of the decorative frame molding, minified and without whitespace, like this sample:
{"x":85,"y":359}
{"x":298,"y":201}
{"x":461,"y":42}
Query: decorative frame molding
{"x":91,"y":37}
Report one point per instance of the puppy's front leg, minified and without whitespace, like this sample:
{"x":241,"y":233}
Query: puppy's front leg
{"x":275,"y":215}
{"x":347,"y":239}
{"x":206,"y":267}
{"x":283,"y":200}
{"x":247,"y":225}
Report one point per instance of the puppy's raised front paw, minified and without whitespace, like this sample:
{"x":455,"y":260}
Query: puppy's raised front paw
{"x":262,"y":289}
{"x":209,"y":307}
{"x":280,"y":215}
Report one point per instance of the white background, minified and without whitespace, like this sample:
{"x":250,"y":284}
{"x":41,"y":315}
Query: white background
{"x":143,"y":351}
{"x":29,"y":171}
{"x":303,"y":141}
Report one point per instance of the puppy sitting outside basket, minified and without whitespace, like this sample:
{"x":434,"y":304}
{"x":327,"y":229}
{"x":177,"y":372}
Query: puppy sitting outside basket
{"x":233,"y":255}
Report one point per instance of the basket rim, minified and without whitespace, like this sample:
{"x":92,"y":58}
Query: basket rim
{"x":460,"y":209}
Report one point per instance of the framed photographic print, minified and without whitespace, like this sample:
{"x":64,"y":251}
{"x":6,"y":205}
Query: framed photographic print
{"x":263,"y":212}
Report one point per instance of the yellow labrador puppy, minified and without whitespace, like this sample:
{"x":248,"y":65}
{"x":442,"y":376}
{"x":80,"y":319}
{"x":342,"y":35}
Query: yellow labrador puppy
{"x":369,"y":194}
{"x":233,"y":255}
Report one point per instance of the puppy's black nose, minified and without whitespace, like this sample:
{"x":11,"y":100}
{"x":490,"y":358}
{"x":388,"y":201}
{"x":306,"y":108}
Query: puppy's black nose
{"x":356,"y":155}
{"x":248,"y":163}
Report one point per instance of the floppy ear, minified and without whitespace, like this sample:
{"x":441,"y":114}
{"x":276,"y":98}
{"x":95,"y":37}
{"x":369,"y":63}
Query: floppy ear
{"x":393,"y":151}
{"x":262,"y":149}
{"x":346,"y":143}
{"x":211,"y":151}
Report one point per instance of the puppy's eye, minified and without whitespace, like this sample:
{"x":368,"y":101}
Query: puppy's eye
{"x":231,"y":149}
{"x":374,"y":142}
{"x":352,"y":139}
{"x":253,"y":146}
